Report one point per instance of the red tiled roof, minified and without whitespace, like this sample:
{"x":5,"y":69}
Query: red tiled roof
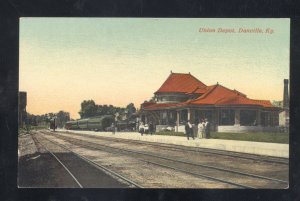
{"x":163,"y":105}
{"x":265,"y":103}
{"x":199,"y":90}
{"x":240,"y":93}
{"x":220,"y":95}
{"x":147,"y":104}
{"x":216,"y":95}
{"x":179,"y":82}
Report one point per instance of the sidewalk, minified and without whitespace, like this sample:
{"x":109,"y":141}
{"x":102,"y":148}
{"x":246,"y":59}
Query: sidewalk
{"x":260,"y":148}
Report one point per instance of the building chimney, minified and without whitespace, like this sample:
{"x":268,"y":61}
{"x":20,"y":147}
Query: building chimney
{"x":286,"y":94}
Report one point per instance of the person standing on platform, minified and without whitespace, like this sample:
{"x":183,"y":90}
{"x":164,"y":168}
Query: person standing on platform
{"x":201,"y":129}
{"x":141,"y":128}
{"x":187,"y":130}
{"x":151,"y":128}
{"x":190,"y":130}
{"x":207,"y":129}
{"x":146,"y":128}
{"x":204,"y":129}
{"x":113,"y":128}
{"x":195,"y":129}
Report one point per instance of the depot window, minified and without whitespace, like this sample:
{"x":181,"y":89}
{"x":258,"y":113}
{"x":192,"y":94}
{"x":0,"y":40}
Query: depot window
{"x":226,"y":117}
{"x":248,"y":118}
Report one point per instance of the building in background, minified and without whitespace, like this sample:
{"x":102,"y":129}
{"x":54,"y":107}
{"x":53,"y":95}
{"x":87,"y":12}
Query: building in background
{"x":183,"y":97}
{"x":22,"y":96}
{"x":284,"y":115}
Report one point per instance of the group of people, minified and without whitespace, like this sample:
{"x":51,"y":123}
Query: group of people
{"x":201,"y":129}
{"x":146,"y":128}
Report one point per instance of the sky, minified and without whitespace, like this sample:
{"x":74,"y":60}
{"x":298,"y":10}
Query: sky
{"x":116,"y":61}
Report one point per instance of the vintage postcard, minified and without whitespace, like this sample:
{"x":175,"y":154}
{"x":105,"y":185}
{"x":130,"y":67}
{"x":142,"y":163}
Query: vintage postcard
{"x":154,"y":103}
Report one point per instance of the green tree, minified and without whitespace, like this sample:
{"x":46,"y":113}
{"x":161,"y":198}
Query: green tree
{"x":130,"y":108}
{"x":88,"y":109}
{"x":61,"y":118}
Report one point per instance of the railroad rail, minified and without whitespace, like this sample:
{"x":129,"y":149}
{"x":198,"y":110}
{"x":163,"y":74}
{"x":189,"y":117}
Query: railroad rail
{"x":59,"y":161}
{"x":155,"y":157}
{"x":94,"y":164}
{"x":254,"y":157}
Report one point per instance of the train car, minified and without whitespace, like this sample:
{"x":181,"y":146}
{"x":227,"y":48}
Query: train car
{"x":68,"y":125}
{"x":83,"y":124}
{"x":71,"y":125}
{"x":94,"y":123}
{"x":100,"y":123}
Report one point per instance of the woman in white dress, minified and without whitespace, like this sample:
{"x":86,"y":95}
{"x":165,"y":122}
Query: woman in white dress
{"x":200,"y":129}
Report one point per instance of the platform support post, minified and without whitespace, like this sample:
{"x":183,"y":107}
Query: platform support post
{"x":177,"y":120}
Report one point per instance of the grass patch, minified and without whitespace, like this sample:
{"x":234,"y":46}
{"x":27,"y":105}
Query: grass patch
{"x":254,"y":137}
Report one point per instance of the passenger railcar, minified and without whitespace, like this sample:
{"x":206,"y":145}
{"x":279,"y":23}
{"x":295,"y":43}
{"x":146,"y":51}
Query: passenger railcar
{"x":71,"y":125}
{"x":83,"y":124}
{"x":99,"y":123}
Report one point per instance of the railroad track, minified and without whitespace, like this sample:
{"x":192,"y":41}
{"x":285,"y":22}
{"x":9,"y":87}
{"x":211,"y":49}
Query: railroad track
{"x":103,"y":169}
{"x":181,"y":165}
{"x":59,"y":161}
{"x":268,"y":159}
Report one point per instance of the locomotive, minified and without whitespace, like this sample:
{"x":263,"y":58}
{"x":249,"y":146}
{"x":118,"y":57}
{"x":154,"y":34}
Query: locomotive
{"x":126,"y":125}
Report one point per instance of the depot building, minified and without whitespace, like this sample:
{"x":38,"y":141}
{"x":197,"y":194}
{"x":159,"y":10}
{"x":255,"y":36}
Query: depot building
{"x":183,"y":97}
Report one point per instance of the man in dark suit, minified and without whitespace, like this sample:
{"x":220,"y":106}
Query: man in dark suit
{"x":189,"y":130}
{"x":207,"y":128}
{"x":151,"y":128}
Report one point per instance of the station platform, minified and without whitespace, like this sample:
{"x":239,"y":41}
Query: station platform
{"x":259,"y":148}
